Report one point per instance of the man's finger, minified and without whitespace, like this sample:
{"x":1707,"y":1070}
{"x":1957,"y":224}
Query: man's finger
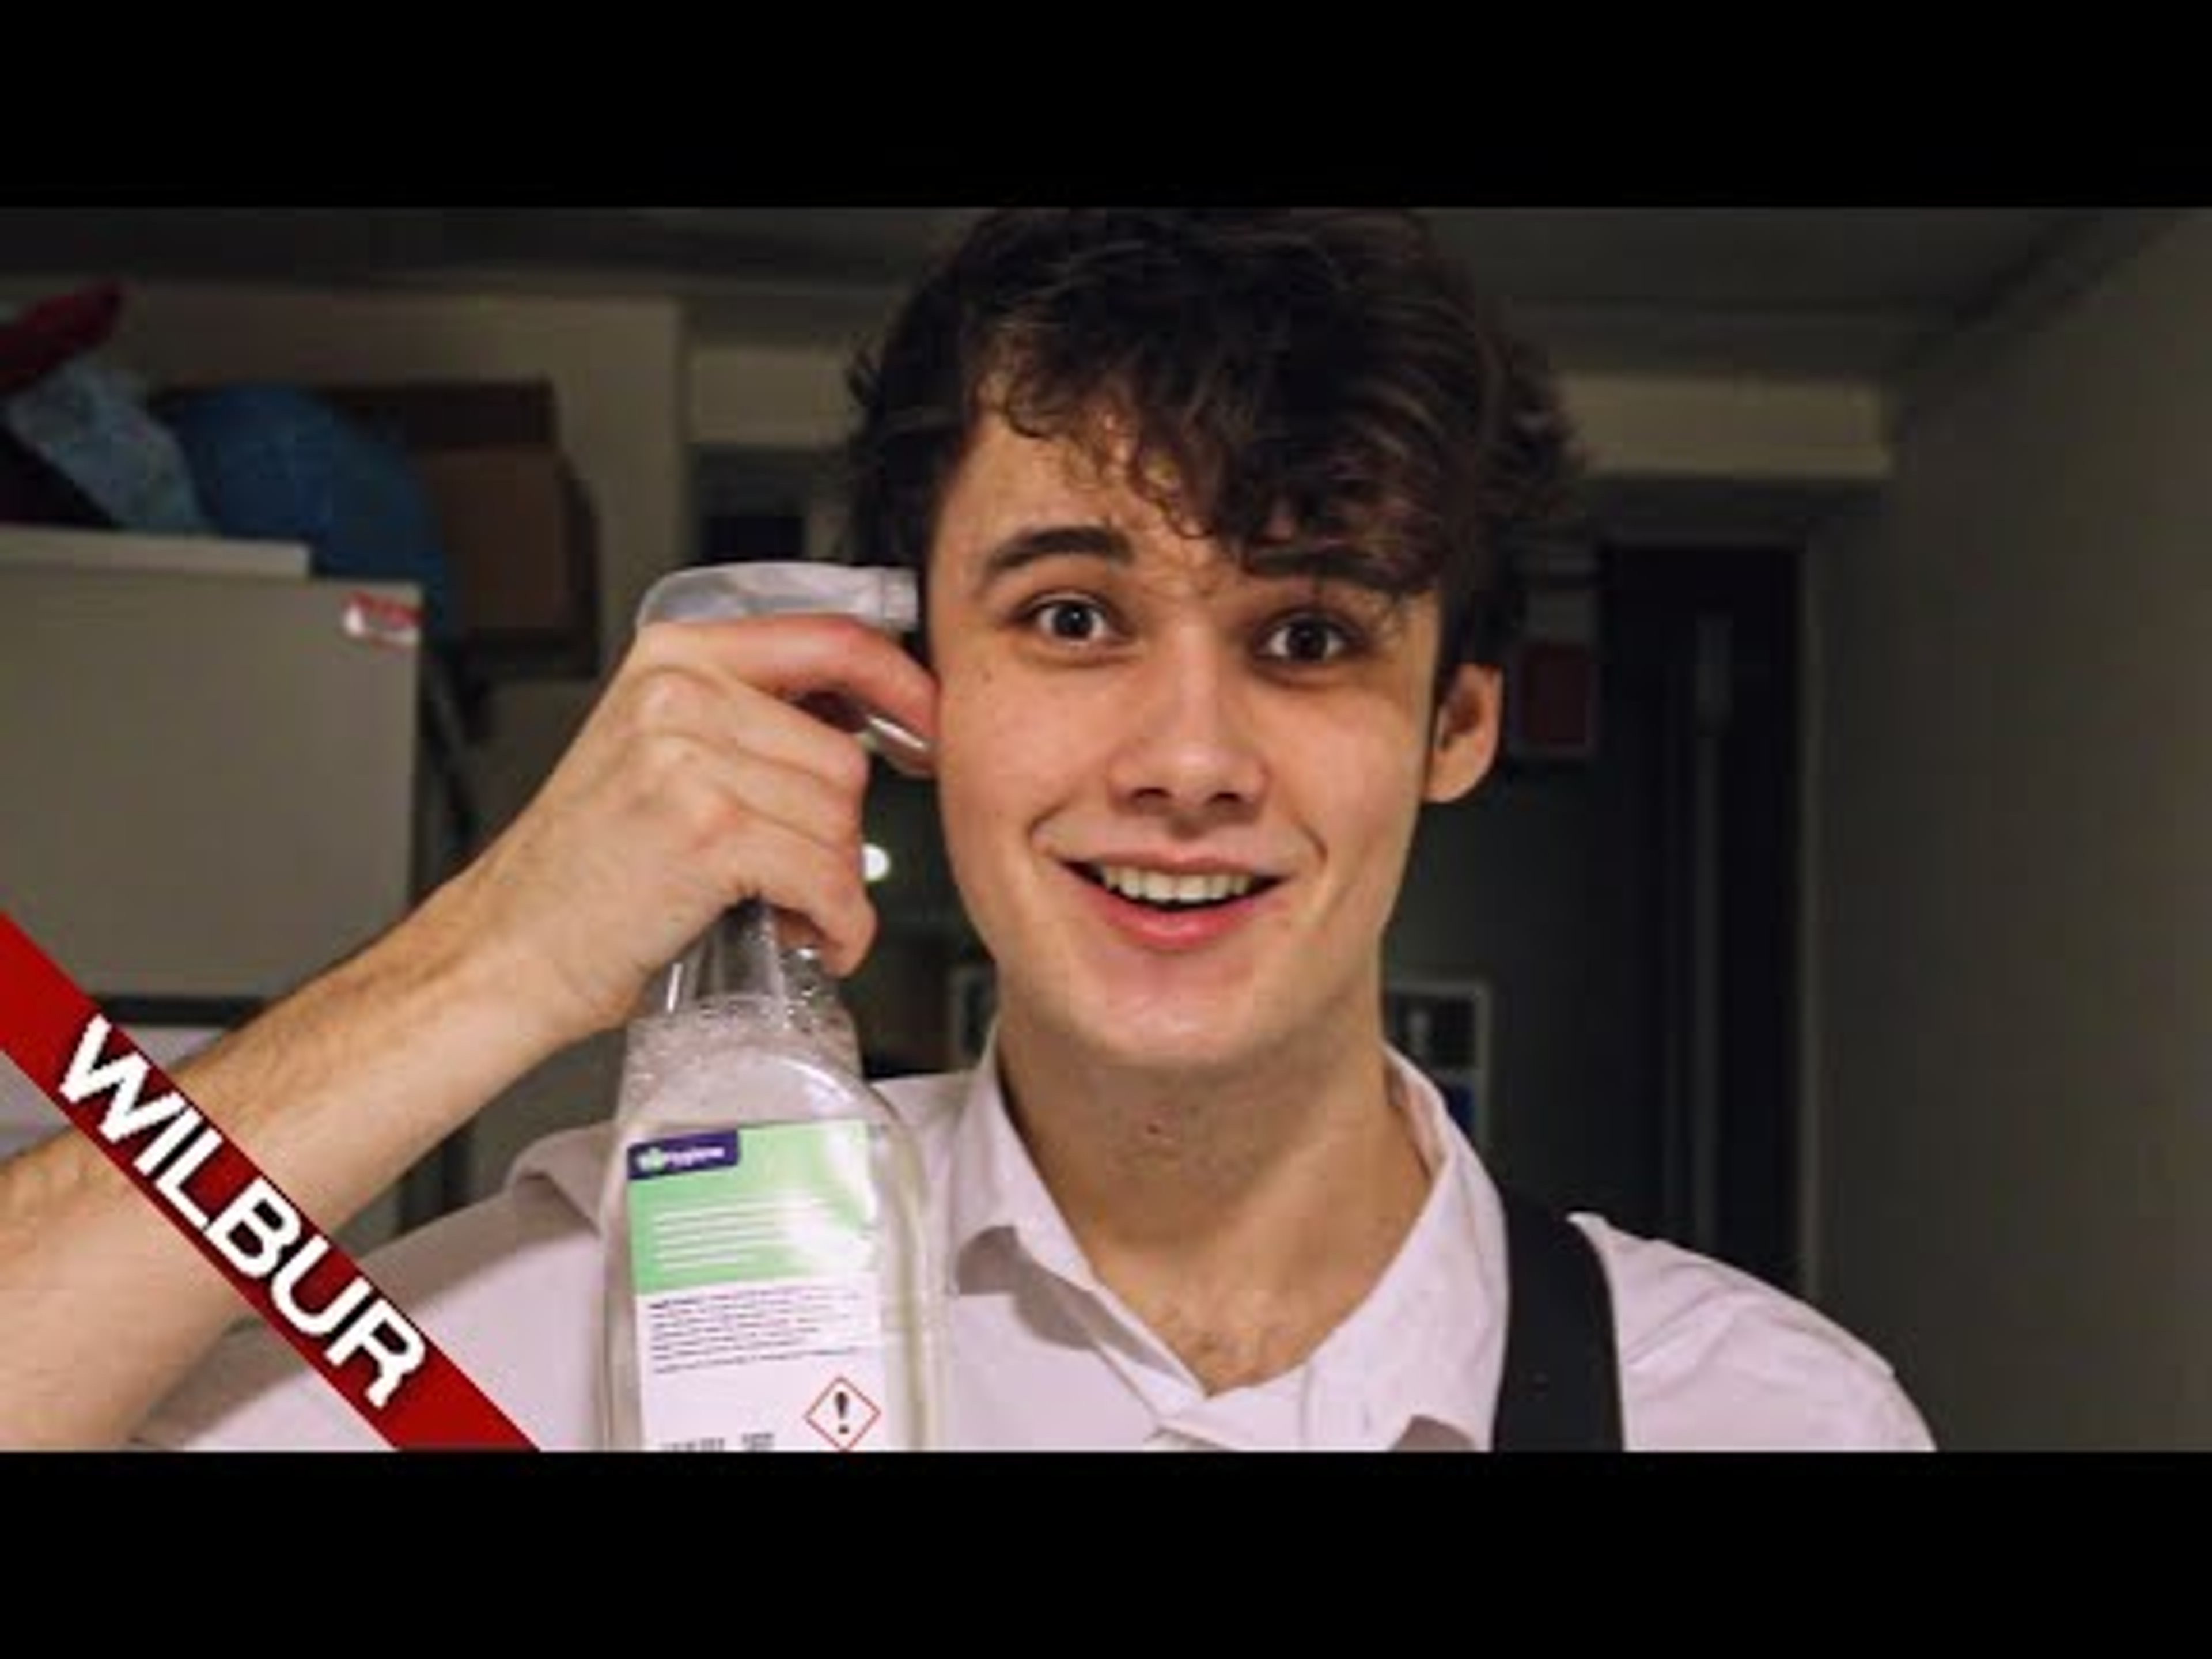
{"x":798,"y":657}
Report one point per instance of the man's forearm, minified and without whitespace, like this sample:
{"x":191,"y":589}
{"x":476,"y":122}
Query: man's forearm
{"x":334,"y":1093}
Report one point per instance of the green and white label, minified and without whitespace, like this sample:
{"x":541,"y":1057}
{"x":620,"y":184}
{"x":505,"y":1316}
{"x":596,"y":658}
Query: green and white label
{"x":755,"y":1257}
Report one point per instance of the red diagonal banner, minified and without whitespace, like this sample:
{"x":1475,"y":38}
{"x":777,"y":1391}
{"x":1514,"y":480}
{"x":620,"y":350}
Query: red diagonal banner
{"x":264,"y":1244}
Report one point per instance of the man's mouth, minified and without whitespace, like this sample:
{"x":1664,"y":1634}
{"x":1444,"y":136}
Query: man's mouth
{"x":1168,"y":891}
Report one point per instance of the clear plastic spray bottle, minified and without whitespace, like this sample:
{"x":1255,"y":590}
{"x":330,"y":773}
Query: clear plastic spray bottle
{"x":769,"y":1280}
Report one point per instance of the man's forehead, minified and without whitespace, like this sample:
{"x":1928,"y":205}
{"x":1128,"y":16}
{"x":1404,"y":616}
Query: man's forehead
{"x":1171,"y":562}
{"x":1018,"y":500}
{"x":1008,"y":478}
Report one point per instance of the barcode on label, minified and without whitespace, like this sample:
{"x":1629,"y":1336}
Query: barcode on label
{"x":711,"y":1443}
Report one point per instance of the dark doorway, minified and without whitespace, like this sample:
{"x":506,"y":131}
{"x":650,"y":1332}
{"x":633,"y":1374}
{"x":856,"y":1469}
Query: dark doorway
{"x":1701,"y":696}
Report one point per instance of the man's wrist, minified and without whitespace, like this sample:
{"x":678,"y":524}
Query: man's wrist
{"x":447,"y":969}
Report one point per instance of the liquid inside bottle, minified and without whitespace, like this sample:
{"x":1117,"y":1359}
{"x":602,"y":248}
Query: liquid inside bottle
{"x":768,"y":1283}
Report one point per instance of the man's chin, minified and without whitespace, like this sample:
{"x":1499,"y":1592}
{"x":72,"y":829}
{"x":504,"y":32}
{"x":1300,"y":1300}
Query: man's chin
{"x":1166,"y":1040}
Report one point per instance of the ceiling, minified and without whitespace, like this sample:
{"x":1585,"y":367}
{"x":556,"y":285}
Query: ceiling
{"x":1865,"y":292}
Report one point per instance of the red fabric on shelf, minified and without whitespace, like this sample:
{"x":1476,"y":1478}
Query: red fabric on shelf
{"x":52,"y":331}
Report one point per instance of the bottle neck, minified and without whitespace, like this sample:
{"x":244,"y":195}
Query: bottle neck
{"x":739,"y":955}
{"x":741,"y":958}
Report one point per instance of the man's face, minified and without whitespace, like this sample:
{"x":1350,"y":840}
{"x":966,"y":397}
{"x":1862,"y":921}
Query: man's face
{"x":1178,"y":799}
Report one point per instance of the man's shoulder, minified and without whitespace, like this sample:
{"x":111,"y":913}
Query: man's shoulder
{"x":506,"y":1287}
{"x":1714,"y":1358}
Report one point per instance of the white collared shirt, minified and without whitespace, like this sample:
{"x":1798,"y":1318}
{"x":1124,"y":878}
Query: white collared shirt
{"x":1040,"y":1355}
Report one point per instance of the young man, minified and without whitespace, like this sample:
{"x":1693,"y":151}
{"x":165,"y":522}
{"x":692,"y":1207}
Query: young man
{"x":1214,"y":513}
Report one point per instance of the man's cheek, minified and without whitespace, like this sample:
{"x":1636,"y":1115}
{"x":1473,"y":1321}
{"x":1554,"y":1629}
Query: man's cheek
{"x":984,"y":724}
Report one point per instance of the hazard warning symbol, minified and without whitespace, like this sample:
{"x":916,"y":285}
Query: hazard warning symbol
{"x":843,"y":1415}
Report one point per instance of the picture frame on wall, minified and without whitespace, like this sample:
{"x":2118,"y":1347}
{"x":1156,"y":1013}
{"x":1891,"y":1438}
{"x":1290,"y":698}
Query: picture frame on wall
{"x":1443,"y":1026}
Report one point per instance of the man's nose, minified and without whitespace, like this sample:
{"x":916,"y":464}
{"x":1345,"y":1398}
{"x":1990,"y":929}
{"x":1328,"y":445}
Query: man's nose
{"x":1187,"y":742}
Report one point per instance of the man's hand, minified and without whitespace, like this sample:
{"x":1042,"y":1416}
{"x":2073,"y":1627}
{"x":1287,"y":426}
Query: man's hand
{"x":695,"y":784}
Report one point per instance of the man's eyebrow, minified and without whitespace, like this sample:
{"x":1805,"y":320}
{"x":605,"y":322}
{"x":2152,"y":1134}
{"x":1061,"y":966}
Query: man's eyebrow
{"x":1324,"y":564}
{"x":1026,"y":547}
{"x":1321,"y":563}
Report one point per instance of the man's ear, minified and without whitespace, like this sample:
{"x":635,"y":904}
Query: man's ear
{"x":1465,"y":741}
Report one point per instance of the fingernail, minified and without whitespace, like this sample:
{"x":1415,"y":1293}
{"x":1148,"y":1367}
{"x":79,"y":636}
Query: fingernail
{"x":882,"y":733}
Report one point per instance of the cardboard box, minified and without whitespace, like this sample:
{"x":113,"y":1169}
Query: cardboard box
{"x":519,"y":532}
{"x":522,"y":541}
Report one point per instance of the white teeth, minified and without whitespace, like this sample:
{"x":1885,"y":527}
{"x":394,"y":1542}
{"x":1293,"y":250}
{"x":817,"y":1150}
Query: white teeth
{"x":1157,"y":887}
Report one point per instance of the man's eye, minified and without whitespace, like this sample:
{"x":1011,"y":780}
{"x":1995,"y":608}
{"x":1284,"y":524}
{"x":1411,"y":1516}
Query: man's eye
{"x":1070,"y":622}
{"x":1307,"y":640}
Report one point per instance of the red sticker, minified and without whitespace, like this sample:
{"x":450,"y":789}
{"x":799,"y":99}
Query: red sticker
{"x":383,"y":622}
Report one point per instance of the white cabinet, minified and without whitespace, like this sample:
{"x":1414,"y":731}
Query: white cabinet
{"x":207,"y":782}
{"x":208,"y":790}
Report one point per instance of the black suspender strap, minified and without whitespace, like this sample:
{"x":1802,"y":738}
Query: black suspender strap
{"x":1561,"y":1390}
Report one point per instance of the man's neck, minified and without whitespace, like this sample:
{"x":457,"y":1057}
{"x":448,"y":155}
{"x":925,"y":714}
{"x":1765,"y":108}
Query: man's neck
{"x":1242,"y":1213}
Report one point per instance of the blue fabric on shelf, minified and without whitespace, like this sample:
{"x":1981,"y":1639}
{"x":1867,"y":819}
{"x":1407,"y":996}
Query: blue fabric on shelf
{"x":88,"y":422}
{"x":277,"y":462}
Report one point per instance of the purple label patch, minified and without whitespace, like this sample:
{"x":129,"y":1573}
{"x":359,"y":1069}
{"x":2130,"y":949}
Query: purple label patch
{"x":683,"y":1155}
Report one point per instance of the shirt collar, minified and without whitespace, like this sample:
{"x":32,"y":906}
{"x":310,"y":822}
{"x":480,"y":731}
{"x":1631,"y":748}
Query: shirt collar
{"x":1425,"y":1350}
{"x":993,"y":1186}
{"x":1423,"y":1353}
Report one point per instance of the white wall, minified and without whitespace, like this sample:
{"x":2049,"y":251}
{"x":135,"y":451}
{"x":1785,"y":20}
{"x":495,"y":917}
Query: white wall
{"x":2014,"y":742}
{"x":776,"y":398}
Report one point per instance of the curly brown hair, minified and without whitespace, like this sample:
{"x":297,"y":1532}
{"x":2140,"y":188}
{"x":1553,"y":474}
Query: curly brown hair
{"x":1321,"y":387}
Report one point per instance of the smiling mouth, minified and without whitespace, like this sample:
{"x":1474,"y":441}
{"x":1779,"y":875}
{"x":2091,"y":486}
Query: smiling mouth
{"x":1158,"y":890}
